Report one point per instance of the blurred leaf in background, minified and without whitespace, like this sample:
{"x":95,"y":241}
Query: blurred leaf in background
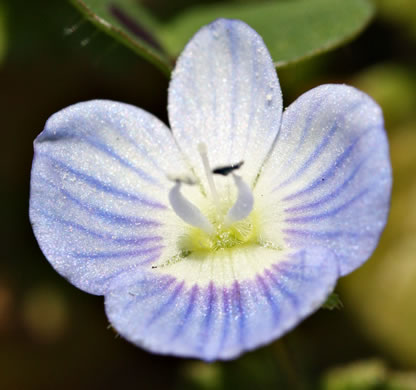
{"x":292,"y":30}
{"x":368,"y":375}
{"x":3,"y":31}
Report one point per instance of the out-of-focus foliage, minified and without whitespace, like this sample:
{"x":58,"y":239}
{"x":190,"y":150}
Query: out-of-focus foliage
{"x":368,"y":375}
{"x":3,"y":31}
{"x":292,"y":30}
{"x":401,"y":13}
{"x":382,"y":293}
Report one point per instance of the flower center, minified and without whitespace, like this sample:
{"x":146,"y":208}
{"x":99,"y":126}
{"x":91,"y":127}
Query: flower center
{"x":225,"y":225}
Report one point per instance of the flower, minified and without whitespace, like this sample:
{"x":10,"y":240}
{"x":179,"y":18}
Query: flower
{"x":223,"y":234}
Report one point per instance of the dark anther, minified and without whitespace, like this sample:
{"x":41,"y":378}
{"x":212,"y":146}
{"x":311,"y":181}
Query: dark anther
{"x":228,"y":169}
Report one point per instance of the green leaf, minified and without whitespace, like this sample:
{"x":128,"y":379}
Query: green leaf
{"x":333,"y":302}
{"x":131,"y":24}
{"x":292,"y":30}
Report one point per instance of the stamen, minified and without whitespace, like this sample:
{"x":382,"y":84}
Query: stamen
{"x":187,"y":211}
{"x":202,"y":148}
{"x":244,"y":203}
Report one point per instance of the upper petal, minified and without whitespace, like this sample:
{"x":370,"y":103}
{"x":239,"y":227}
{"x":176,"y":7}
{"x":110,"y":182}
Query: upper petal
{"x":225,"y":92}
{"x":328,"y":180}
{"x":99,"y":192}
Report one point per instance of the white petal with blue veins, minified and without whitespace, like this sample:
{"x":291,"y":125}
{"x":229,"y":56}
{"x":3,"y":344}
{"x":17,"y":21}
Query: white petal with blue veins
{"x":329,"y":176}
{"x":212,"y":321}
{"x":225,"y":92}
{"x":99,"y":193}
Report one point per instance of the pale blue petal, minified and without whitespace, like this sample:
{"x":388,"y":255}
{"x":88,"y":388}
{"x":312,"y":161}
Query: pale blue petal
{"x":225,"y":92}
{"x":99,"y":201}
{"x":166,"y":315}
{"x":329,"y":174}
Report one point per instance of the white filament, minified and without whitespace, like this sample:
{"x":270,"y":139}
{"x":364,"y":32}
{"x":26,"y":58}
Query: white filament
{"x":187,"y":211}
{"x":202,"y":148}
{"x":244,"y":203}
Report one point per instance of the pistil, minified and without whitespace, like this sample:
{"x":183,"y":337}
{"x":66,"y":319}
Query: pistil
{"x":202,"y":148}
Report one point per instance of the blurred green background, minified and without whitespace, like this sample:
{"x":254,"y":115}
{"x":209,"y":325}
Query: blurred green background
{"x":53,"y":336}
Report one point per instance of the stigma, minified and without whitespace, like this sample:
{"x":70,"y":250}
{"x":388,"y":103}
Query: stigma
{"x":193,"y":216}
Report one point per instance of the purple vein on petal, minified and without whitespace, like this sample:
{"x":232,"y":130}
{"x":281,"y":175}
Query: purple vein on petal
{"x":279,"y":284}
{"x":311,"y":116}
{"x":206,"y":326}
{"x":167,"y":305}
{"x":226,"y":322}
{"x":188,"y":313}
{"x":234,"y":85}
{"x":324,"y":235}
{"x":118,"y":254}
{"x":269,"y":297}
{"x":238,"y":305}
{"x":332,"y":195}
{"x":109,"y":216}
{"x":95,"y":183}
{"x":157,"y":289}
{"x":332,"y":170}
{"x":321,"y":147}
{"x":254,"y":91}
{"x":104,"y":236}
{"x":329,"y":213}
{"x":140,"y":148}
{"x":106,"y":149}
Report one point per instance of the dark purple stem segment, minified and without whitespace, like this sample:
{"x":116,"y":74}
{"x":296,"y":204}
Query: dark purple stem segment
{"x":133,"y":26}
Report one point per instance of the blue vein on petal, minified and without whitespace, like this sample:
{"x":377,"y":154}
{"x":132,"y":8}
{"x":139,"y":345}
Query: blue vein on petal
{"x":238,"y":304}
{"x":126,"y":163}
{"x":311,"y":116}
{"x":104,"y":236}
{"x":208,"y":316}
{"x":325,"y":235}
{"x":114,"y":255}
{"x":254,"y":91}
{"x":270,"y":299}
{"x":140,"y":149}
{"x":226,"y":321}
{"x":97,"y":184}
{"x":123,"y":270}
{"x":329,"y":213}
{"x":332,"y":195}
{"x":136,"y":298}
{"x":188,"y":312}
{"x":234,"y":85}
{"x":167,"y":305}
{"x":108,"y":216}
{"x":279,"y":284}
{"x":332,"y":170}
{"x":321,"y":147}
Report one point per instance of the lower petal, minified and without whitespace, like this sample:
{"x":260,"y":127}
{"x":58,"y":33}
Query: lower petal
{"x":211,"y":319}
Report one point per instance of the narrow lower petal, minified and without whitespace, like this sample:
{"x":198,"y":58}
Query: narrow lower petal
{"x":204,"y":311}
{"x":99,"y":192}
{"x":328,"y":180}
{"x":225,"y":93}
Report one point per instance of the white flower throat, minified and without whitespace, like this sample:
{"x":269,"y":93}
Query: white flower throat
{"x":225,"y":229}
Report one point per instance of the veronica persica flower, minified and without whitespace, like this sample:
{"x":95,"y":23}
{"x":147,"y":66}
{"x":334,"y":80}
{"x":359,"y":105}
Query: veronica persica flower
{"x":223,"y":233}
